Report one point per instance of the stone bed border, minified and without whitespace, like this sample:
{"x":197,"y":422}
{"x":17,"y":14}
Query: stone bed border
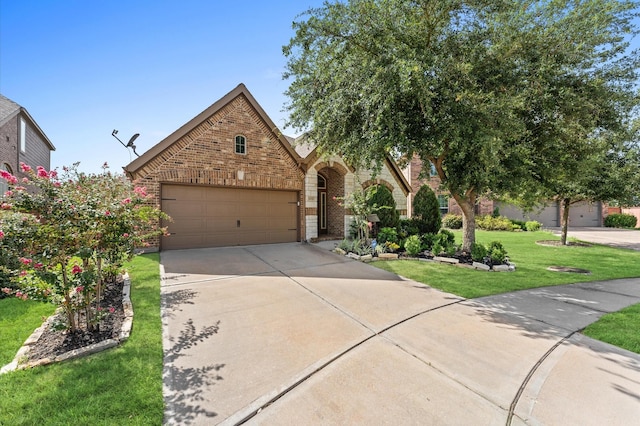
{"x":20,"y":361}
{"x":447,"y":260}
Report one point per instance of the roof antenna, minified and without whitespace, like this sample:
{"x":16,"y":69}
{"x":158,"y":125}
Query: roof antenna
{"x":130,"y":143}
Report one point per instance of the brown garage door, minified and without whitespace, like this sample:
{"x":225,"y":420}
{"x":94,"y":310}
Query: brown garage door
{"x":218,"y":217}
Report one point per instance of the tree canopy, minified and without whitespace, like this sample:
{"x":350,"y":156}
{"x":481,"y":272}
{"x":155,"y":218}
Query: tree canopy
{"x":473,"y":86}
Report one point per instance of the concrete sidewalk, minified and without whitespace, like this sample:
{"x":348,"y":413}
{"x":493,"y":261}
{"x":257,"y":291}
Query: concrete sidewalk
{"x":292,"y":334}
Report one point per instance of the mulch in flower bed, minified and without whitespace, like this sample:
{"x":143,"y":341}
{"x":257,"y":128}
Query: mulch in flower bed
{"x":53,"y":343}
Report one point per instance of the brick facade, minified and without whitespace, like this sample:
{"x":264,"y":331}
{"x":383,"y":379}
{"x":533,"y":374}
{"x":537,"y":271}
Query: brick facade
{"x":202,"y":152}
{"x":414,"y":174}
{"x":205,"y":155}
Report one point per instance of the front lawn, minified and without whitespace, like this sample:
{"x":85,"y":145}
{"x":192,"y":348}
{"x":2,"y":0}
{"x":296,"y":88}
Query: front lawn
{"x":618,"y":328}
{"x":532,"y":260}
{"x":119,"y":386}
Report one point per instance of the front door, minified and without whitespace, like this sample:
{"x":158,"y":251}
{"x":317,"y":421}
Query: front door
{"x":322,"y":205}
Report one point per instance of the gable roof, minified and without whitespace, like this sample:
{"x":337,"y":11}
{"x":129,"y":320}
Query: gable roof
{"x":240,"y":90}
{"x":9,"y":109}
{"x":309,"y":153}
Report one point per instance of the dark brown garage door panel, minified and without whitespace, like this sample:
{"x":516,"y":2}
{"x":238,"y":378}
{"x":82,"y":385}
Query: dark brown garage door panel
{"x":217,"y":217}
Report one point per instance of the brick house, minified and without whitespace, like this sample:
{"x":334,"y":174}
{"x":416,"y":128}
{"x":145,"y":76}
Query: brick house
{"x":580,"y":215}
{"x":230,"y":177}
{"x":21,"y":141}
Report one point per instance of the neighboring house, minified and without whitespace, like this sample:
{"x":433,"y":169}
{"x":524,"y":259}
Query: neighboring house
{"x":580,"y":214}
{"x":230,"y":177}
{"x":21,"y":141}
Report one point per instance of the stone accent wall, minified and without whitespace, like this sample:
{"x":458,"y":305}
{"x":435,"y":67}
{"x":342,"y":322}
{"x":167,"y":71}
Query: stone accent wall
{"x":206,"y":156}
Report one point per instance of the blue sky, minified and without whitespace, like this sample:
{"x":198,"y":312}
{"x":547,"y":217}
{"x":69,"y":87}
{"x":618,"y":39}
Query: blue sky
{"x":84,"y":68}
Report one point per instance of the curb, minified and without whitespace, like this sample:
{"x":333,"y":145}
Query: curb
{"x":20,"y":361}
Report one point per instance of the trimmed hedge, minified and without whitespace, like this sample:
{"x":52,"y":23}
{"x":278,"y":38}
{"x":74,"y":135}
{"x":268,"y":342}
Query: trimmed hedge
{"x":620,"y":220}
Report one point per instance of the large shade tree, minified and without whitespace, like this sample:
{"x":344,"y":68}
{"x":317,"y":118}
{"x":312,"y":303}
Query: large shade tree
{"x":449,"y":80}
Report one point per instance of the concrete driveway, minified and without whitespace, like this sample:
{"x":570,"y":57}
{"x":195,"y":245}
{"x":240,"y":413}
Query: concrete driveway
{"x":293,"y":334}
{"x":623,"y":238}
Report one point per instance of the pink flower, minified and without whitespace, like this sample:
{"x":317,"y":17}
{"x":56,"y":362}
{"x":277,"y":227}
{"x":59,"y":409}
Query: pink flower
{"x":18,"y":293}
{"x":1,"y":234}
{"x":57,"y":184}
{"x":8,"y":177}
{"x":5,"y":206}
{"x":8,"y":193}
{"x":25,"y":167}
{"x":42,"y":172}
{"x":6,"y":290}
{"x":53,"y":174}
{"x":125,"y":235}
{"x":79,"y":289}
{"x":76,"y":269}
{"x":140,"y":190}
{"x":25,"y":261}
{"x":24,"y":296}
{"x":38,"y":265}
{"x":107,"y":213}
{"x":111,"y":309}
{"x":23,"y":273}
{"x":126,"y":201}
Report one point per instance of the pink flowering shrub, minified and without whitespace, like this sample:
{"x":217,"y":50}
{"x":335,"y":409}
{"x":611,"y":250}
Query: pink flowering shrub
{"x":62,"y":236}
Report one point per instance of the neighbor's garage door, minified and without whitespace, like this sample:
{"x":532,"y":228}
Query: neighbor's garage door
{"x":217,"y":217}
{"x":585,"y":214}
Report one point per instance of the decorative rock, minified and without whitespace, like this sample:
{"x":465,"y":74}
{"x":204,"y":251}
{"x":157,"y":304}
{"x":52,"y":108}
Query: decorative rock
{"x":340,"y":251}
{"x":353,"y":256}
{"x":501,"y":268}
{"x":482,"y":266}
{"x":366,"y":258}
{"x":388,"y":256}
{"x":446,"y":259}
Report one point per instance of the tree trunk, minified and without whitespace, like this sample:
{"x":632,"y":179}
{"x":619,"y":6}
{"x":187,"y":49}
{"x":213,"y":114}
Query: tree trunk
{"x":564,"y":220}
{"x":467,"y":205}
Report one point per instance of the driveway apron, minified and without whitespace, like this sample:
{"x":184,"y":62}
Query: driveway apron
{"x":292,"y":334}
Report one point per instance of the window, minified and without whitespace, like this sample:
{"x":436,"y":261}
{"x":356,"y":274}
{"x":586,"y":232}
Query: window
{"x":443,"y":200}
{"x":432,"y":170}
{"x":241,"y":145}
{"x":23,"y":135}
{"x":322,"y":182}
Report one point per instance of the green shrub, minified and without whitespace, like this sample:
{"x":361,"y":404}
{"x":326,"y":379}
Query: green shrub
{"x":532,"y":225}
{"x":496,"y":252}
{"x":427,"y":210}
{"x":408,"y":227}
{"x":386,"y":207}
{"x":490,"y":223}
{"x":387,"y":235}
{"x":427,"y":241}
{"x":413,"y":245}
{"x":452,"y":221}
{"x":620,"y":220}
{"x":446,"y":238}
{"x":478,"y":252}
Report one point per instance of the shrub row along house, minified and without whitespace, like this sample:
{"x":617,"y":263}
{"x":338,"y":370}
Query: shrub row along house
{"x":230,"y":177}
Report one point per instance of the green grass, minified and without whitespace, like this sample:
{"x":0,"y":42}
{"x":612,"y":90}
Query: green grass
{"x":120,"y":386}
{"x":18,"y":319}
{"x":605,"y":263}
{"x":618,"y":328}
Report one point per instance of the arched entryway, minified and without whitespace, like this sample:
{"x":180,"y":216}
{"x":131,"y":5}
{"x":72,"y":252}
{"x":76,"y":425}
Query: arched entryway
{"x":330,"y":209}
